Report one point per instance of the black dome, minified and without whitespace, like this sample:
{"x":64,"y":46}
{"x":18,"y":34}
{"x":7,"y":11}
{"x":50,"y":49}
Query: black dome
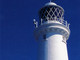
{"x":51,"y":11}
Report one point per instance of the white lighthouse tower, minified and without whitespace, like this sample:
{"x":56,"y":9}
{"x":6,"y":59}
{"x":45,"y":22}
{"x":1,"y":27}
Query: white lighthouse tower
{"x":51,"y":33}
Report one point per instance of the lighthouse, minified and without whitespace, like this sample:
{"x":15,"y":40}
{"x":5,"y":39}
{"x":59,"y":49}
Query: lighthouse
{"x":52,"y":33}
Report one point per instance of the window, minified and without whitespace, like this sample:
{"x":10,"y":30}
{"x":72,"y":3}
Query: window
{"x":44,"y":36}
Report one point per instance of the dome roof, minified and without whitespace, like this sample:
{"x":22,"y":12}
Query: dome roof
{"x":51,"y":11}
{"x":50,"y":3}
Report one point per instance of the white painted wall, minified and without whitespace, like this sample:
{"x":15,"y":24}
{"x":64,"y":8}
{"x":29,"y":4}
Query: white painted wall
{"x":52,"y":48}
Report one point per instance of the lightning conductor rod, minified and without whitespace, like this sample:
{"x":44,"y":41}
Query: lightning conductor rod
{"x":52,"y":0}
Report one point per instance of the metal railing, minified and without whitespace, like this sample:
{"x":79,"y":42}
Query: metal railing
{"x":60,"y":20}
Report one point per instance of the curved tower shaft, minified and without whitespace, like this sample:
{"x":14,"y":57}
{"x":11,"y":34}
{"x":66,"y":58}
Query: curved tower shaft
{"x":52,"y":33}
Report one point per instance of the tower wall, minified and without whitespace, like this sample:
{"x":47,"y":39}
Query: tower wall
{"x":51,"y":38}
{"x":52,"y":48}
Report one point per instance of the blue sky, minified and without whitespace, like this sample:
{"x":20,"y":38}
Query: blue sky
{"x":16,"y":28}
